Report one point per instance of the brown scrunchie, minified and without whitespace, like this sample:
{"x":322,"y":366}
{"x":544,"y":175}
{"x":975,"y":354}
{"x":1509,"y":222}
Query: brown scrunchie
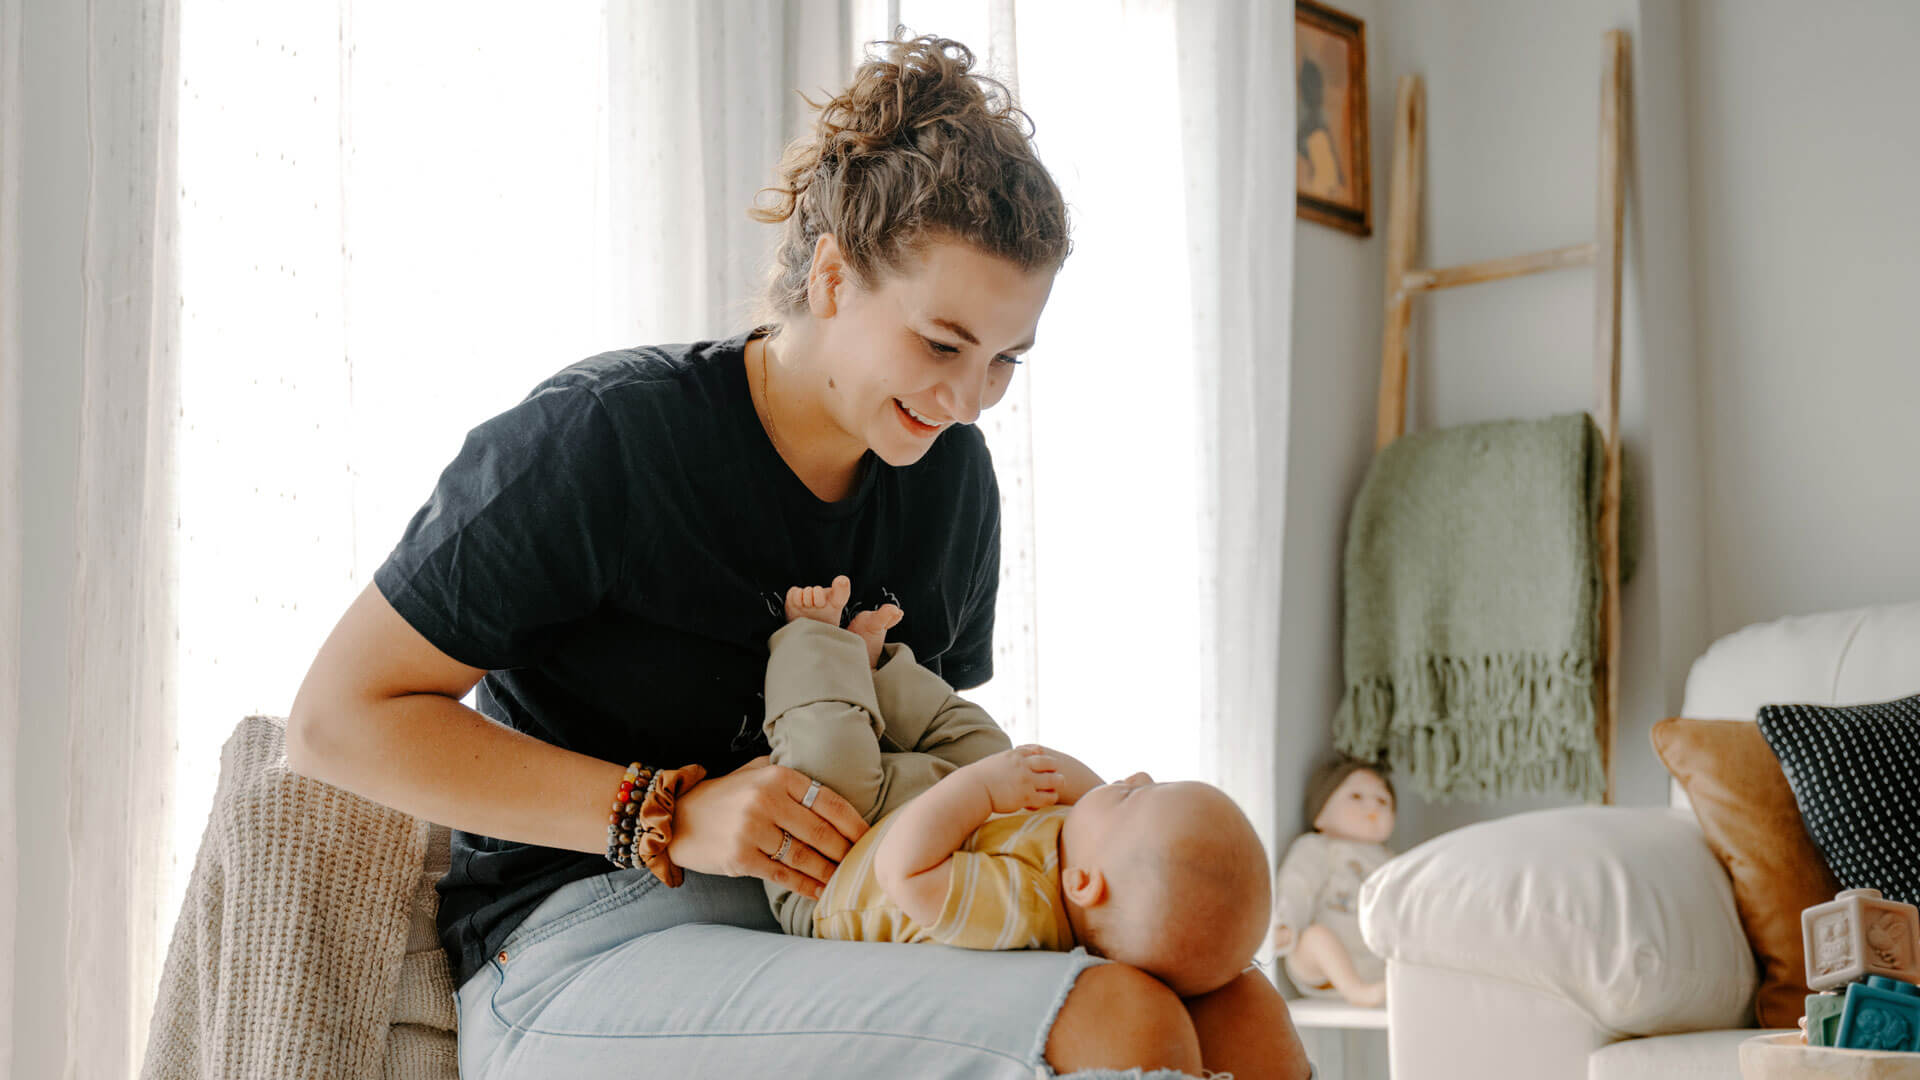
{"x":655,"y":826}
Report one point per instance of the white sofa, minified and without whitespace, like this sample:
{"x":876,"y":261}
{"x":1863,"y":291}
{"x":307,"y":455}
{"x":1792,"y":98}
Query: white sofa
{"x":1602,"y":942}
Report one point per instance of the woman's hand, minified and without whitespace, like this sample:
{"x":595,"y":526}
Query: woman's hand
{"x":731,"y":825}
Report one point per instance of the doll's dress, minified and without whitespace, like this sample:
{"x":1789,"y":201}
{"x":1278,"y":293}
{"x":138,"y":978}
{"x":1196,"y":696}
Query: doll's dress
{"x":1319,"y":882}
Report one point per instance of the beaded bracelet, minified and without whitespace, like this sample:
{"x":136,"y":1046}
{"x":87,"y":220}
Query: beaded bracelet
{"x":623,"y":820}
{"x":640,"y":826}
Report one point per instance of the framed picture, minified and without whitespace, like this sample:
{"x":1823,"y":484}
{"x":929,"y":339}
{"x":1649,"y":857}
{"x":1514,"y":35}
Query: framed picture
{"x":1330,"y":78}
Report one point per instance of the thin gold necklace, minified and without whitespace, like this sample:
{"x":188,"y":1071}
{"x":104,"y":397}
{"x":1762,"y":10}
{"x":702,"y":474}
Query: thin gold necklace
{"x":766,"y":400}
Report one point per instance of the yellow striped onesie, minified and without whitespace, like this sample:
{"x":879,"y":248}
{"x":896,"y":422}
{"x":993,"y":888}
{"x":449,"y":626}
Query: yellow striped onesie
{"x":1004,"y":892}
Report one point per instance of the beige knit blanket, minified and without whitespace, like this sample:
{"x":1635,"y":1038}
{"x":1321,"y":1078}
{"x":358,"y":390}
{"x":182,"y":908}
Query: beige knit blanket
{"x":292,"y":942}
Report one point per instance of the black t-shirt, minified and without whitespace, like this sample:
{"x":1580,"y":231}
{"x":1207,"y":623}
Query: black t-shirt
{"x":615,"y":550}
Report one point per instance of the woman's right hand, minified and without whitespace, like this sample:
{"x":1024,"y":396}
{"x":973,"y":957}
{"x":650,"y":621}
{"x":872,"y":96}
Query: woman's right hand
{"x":731,"y":825}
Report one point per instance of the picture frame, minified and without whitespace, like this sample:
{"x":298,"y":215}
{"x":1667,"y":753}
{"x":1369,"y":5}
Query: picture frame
{"x":1330,"y":135}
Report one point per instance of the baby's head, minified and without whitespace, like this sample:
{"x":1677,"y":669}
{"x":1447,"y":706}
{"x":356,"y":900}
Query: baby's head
{"x":1170,"y":878}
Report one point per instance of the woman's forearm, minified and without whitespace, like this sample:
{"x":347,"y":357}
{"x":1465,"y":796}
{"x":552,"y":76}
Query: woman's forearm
{"x":432,"y":757}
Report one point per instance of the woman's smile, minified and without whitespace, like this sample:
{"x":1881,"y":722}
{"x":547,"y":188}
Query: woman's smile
{"x":915,"y":424}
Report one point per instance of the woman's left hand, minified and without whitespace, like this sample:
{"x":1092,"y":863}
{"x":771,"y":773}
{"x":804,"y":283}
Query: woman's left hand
{"x":733,"y":825}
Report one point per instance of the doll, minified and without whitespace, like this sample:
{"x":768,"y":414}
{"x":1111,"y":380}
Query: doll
{"x":1316,"y":917}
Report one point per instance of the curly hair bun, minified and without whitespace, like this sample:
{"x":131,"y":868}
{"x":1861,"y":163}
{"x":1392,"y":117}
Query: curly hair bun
{"x":917,"y":145}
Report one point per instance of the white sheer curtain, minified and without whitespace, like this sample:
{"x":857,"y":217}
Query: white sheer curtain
{"x":458,"y":208}
{"x":396,"y":222}
{"x":121,"y":672}
{"x":1236,"y":82}
{"x":111,"y":705}
{"x":1139,"y":614}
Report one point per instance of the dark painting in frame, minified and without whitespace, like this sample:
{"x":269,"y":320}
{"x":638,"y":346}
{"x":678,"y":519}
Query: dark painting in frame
{"x":1330,"y":138}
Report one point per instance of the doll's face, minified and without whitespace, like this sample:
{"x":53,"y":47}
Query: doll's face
{"x":1360,"y":810}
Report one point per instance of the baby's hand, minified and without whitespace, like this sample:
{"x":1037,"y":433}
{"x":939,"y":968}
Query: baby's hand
{"x":1023,"y":778}
{"x":1282,"y":935}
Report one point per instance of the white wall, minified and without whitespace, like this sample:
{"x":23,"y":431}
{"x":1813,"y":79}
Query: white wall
{"x":1512,"y":95}
{"x":1769,"y":379}
{"x":1337,"y":283}
{"x":1806,"y":156}
{"x":1337,"y":288}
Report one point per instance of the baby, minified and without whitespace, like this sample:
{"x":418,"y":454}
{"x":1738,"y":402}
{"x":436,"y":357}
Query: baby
{"x":1013,"y":848}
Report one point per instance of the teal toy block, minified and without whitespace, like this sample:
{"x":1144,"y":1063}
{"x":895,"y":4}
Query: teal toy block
{"x":1823,"y":1018}
{"x":1881,"y":1014}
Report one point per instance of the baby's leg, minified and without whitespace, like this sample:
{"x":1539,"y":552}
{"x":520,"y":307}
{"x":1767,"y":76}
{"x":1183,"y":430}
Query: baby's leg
{"x":1321,"y":956}
{"x":905,"y":775}
{"x":822,"y":716}
{"x":822,"y":720}
{"x":924,"y":714}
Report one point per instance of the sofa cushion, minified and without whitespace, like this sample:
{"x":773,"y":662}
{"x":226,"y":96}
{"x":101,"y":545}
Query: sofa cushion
{"x":1699,"y":1055}
{"x":1855,"y":772}
{"x":1827,"y":658}
{"x":1748,"y":816}
{"x":1623,"y":912}
{"x":1830,"y":658}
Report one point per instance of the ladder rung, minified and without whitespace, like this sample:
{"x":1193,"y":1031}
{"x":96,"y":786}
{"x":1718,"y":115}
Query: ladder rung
{"x":1494,"y":269}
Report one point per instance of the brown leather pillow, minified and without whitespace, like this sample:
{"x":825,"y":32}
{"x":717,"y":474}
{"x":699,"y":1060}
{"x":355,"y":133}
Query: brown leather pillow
{"x":1751,"y":822}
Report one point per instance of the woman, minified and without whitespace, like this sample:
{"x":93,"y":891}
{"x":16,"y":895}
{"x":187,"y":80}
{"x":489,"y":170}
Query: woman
{"x":600,"y":560}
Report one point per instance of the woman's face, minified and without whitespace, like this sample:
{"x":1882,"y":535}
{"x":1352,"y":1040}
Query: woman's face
{"x":934,"y":345}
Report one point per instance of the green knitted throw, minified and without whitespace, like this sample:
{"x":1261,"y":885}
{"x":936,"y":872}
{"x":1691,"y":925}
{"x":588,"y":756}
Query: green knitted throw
{"x":1472,"y":592}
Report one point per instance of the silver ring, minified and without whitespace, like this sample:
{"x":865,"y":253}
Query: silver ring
{"x":813,"y":792}
{"x":786,"y":842}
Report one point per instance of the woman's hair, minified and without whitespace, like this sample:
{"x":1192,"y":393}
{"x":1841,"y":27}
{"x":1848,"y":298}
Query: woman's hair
{"x":918,"y":148}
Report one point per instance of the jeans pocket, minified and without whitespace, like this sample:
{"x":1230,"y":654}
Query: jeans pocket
{"x":558,"y":910}
{"x":595,"y":896}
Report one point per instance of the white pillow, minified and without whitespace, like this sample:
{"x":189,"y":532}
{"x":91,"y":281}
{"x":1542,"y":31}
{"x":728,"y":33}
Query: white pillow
{"x":1622,"y":912}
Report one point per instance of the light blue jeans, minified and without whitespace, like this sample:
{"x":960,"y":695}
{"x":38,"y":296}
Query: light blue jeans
{"x":617,"y":975}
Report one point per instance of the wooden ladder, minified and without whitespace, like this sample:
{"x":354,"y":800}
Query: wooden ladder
{"x":1405,"y":281}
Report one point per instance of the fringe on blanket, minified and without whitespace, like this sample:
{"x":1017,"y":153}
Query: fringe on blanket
{"x":1478,"y":728}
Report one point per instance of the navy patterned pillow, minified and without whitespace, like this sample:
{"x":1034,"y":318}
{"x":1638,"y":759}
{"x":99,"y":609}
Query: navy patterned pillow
{"x":1855,"y":772}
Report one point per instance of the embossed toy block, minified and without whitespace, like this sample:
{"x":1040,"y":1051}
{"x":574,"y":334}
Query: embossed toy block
{"x":1881,"y":1014}
{"x":1823,"y":1018}
{"x":1858,"y":934}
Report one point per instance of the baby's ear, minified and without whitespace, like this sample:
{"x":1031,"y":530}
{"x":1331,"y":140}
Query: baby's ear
{"x":1084,"y":886}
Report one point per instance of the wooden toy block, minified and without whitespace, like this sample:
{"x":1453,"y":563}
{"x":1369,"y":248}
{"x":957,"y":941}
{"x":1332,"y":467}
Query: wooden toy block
{"x":1823,"y":1018}
{"x":1859,"y":934}
{"x":1881,"y":1014}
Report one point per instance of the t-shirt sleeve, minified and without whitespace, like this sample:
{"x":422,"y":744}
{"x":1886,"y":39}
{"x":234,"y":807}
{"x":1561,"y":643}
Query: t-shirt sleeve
{"x":970,"y":662}
{"x":524,"y":533}
{"x":995,"y":901}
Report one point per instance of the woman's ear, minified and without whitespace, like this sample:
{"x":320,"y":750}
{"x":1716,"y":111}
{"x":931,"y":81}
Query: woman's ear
{"x":824,"y":279}
{"x":1085,"y":887}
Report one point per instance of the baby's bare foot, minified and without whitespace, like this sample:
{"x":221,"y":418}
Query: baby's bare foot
{"x":872,"y":626}
{"x":822,"y":603}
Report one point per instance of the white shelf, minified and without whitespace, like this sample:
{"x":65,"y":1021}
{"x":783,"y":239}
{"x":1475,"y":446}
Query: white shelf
{"x":1334,"y":1013}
